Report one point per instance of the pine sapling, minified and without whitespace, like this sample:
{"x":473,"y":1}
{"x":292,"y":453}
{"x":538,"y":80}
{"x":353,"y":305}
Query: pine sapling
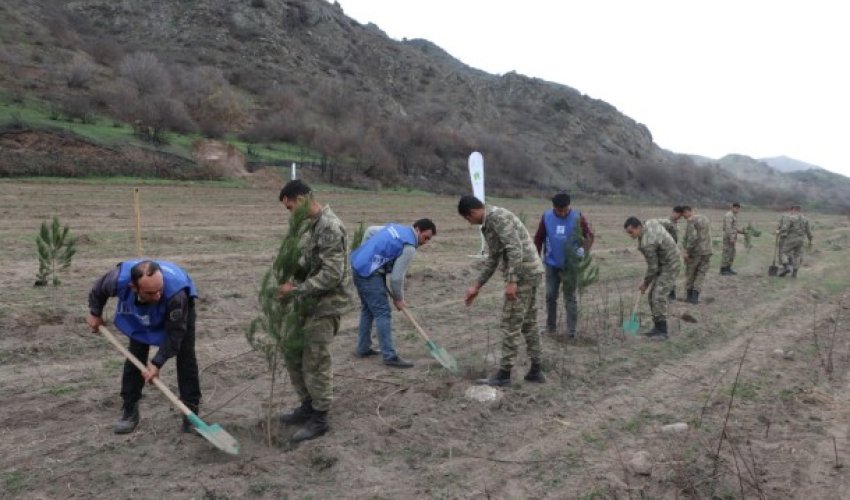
{"x":579,"y":271}
{"x":278,"y":331}
{"x":357,"y":239}
{"x":56,"y":249}
{"x":750,"y":232}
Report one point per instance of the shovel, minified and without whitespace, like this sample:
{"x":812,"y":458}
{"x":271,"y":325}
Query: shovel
{"x":632,"y":324}
{"x":212,"y":433}
{"x":437,"y":352}
{"x":773,"y":270}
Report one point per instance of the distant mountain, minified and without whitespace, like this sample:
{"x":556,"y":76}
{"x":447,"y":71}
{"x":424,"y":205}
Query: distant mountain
{"x":786,"y":164}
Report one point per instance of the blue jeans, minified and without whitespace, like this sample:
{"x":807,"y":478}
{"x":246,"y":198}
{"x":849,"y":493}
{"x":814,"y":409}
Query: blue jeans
{"x":553,"y":287}
{"x":374,"y":306}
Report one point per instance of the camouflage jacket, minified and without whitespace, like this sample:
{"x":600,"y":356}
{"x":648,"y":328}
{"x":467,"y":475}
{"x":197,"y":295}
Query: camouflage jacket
{"x":324,"y":254}
{"x":510,"y":244}
{"x":658,"y":248}
{"x":698,"y":236}
{"x":730,"y":226}
{"x":671,"y":226}
{"x":794,"y":227}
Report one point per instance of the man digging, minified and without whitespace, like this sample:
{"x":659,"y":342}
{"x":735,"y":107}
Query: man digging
{"x":793,"y":228}
{"x":698,"y":251}
{"x":156,"y":307}
{"x":324,"y":256}
{"x":662,"y":267}
{"x":510,"y":245}
{"x":386,"y":251}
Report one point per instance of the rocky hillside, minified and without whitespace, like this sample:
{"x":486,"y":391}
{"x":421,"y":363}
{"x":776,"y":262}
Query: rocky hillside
{"x":301,"y":71}
{"x":786,"y":164}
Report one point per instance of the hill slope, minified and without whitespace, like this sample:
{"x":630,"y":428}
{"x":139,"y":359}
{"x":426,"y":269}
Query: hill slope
{"x":786,"y":164}
{"x":301,"y":71}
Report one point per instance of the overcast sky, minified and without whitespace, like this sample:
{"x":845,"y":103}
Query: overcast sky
{"x":761,"y":78}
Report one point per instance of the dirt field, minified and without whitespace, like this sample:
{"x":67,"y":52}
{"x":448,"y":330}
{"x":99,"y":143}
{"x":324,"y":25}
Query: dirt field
{"x":413,"y":434}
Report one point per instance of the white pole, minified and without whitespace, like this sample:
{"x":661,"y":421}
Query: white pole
{"x":293,"y":171}
{"x":476,"y":176}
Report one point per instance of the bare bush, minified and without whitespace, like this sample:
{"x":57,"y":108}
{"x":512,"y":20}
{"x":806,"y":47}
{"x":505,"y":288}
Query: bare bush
{"x":78,"y":107}
{"x":79,"y":72}
{"x":146,"y":73}
{"x":209,"y":99}
{"x":106,"y":51}
{"x":153,"y":116}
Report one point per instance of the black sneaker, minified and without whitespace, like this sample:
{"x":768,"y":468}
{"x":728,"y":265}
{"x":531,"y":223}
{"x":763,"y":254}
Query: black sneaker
{"x":298,"y":415}
{"x":129,"y":420}
{"x":500,"y":379}
{"x":398,"y":362}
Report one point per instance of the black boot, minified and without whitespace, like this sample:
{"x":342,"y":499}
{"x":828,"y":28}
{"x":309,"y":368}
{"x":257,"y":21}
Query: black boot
{"x":501,"y":378}
{"x":731,"y":271}
{"x":690,"y":296}
{"x":672,"y":295}
{"x":129,"y":419}
{"x":535,"y":374}
{"x":316,"y":426}
{"x":659,"y":332}
{"x":298,"y":415}
{"x":724,"y":271}
{"x":693,"y":297}
{"x":785,"y":271}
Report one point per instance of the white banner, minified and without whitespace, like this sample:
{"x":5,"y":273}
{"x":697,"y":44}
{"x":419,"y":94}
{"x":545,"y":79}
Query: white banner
{"x":476,"y":174}
{"x":293,"y":171}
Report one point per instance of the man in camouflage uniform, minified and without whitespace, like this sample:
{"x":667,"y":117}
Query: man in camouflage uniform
{"x":672,"y":227}
{"x":662,"y":266}
{"x":510,"y":245}
{"x":324,"y":256}
{"x":793,"y":228}
{"x":730,"y":237}
{"x":697,"y":246}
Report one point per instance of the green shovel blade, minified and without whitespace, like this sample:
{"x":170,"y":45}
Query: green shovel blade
{"x":631,"y":325}
{"x":215,"y":434}
{"x":447,"y":360}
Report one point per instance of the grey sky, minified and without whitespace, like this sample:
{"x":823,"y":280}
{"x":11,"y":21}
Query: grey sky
{"x":761,"y":78}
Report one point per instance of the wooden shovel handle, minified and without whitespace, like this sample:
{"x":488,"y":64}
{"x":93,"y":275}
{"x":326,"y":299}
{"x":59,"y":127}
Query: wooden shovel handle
{"x":138,"y":364}
{"x":416,"y":325}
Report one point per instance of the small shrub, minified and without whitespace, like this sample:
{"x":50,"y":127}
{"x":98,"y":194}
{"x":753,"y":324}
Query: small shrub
{"x":55,"y":251}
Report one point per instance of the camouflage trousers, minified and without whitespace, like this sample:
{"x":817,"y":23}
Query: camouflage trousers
{"x":659,"y":294}
{"x":310,"y":367}
{"x":728,"y":252}
{"x":695,"y":270}
{"x":519,"y":320}
{"x":791,"y":254}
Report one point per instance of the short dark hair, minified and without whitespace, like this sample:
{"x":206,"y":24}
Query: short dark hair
{"x":426,"y":225}
{"x":561,"y":200}
{"x":679,"y":209}
{"x":736,"y":205}
{"x":632,"y":222}
{"x":143,"y":268}
{"x":467,"y":204}
{"x":294,"y":189}
{"x":687,"y":208}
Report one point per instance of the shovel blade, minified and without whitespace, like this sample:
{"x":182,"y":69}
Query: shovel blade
{"x":631,"y":325}
{"x":773,"y":271}
{"x":216,"y":435}
{"x":442,"y":356}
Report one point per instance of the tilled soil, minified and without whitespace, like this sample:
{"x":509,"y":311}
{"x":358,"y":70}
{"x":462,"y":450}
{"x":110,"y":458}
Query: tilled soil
{"x":413,"y":433}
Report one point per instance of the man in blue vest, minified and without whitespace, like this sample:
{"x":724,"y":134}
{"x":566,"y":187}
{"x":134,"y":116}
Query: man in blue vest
{"x":156,"y":307}
{"x":557,"y":234}
{"x":386,"y":250}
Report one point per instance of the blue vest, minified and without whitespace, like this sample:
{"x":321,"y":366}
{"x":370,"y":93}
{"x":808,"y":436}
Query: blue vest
{"x":559,"y":231}
{"x":145,"y":323}
{"x":383,"y":247}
